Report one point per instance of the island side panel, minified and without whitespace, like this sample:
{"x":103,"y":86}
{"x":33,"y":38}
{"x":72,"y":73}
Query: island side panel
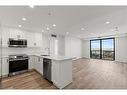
{"x":56,"y":73}
{"x":66,"y":72}
{"x":62,"y":73}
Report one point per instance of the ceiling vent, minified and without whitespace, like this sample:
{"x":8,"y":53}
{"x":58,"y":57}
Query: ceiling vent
{"x":53,"y":35}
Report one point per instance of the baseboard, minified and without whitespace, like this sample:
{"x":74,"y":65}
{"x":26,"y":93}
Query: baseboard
{"x":77,"y":58}
{"x":18,"y":73}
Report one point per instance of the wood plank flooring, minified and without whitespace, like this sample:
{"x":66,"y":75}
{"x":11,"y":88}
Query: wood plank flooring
{"x":28,"y":80}
{"x":87,"y":74}
{"x":98,"y":74}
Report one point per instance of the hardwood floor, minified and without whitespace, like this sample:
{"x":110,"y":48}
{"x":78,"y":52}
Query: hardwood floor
{"x":98,"y":74}
{"x":87,"y":74}
{"x":28,"y":80}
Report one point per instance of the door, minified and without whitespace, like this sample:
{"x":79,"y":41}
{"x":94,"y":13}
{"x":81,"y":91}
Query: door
{"x":95,"y":49}
{"x":108,"y":49}
{"x":102,"y":49}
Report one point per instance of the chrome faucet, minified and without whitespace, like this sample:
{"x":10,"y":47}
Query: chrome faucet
{"x":48,"y":49}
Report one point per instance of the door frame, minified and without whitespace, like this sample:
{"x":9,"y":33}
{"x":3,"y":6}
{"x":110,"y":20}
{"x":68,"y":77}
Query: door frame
{"x":101,"y":47}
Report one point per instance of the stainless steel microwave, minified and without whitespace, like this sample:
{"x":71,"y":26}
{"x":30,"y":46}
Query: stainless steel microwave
{"x":17,"y":42}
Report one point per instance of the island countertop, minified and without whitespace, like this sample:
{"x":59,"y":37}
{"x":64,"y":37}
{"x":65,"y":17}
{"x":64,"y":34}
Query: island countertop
{"x":56,"y":57}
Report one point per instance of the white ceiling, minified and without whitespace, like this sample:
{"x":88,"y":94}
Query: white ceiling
{"x":67,"y":19}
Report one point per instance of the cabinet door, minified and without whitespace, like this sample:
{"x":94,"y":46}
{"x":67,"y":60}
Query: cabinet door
{"x":31,"y":62}
{"x":56,"y":73}
{"x":17,"y":33}
{"x":5,"y":36}
{"x":13,"y":33}
{"x":30,"y":39}
{"x":36,"y":63}
{"x":41,"y":66}
{"x":38,"y":39}
{"x":5,"y":66}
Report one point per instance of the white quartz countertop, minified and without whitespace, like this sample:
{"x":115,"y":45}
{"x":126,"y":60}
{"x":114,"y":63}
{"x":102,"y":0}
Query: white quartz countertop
{"x":55,"y":57}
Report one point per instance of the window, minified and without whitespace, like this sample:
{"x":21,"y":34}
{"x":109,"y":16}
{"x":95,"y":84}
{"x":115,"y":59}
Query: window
{"x":103,"y":49}
{"x":95,"y":49}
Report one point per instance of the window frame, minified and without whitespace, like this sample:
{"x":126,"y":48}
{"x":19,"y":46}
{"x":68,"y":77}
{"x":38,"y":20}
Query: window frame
{"x":101,"y":47}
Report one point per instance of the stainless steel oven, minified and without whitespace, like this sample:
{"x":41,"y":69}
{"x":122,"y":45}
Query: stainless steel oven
{"x":17,"y":42}
{"x":18,"y":63}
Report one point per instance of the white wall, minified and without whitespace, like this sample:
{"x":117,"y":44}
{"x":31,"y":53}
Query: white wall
{"x":61,"y":45}
{"x":48,"y":42}
{"x":120,"y":49}
{"x":73,"y":47}
{"x":86,"y":48}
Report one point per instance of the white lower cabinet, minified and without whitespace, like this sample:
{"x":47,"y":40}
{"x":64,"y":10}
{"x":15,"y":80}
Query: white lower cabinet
{"x":31,"y":62}
{"x":39,"y":64}
{"x":36,"y":63}
{"x":5,"y":66}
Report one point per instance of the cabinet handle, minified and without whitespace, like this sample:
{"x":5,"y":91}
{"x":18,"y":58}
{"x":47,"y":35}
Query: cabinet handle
{"x":7,"y":60}
{"x":34,"y":44}
{"x":39,"y":59}
{"x":7,"y":42}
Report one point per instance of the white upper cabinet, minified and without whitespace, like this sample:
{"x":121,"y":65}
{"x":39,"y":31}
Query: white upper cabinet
{"x":17,"y":33}
{"x":38,"y":39}
{"x":5,"y":36}
{"x":30,"y":39}
{"x":34,"y":39}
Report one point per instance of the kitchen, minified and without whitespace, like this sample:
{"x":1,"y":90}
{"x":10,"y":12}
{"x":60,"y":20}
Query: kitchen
{"x":58,"y":47}
{"x":28,"y":49}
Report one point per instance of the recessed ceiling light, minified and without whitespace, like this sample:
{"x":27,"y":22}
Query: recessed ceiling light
{"x":54,"y":25}
{"x":48,"y":28}
{"x":24,"y":19}
{"x":42,"y":30}
{"x":111,"y":29}
{"x":82,"y":29}
{"x":31,"y":6}
{"x":107,"y":22}
{"x":67,"y":33}
{"x":19,"y":25}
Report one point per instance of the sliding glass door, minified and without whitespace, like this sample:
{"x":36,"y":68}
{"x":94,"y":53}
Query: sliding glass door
{"x":103,"y":49}
{"x":108,"y":49}
{"x":95,"y":49}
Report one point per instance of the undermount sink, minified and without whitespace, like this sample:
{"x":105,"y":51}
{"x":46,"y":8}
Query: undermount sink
{"x":44,"y":55}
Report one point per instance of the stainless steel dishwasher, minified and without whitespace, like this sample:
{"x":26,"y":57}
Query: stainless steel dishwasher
{"x":47,"y":64}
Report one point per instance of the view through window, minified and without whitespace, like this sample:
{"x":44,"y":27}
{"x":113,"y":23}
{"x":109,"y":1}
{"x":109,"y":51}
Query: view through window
{"x":102,"y":49}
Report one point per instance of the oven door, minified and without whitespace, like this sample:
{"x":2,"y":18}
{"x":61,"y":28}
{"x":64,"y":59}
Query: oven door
{"x":18,"y":65}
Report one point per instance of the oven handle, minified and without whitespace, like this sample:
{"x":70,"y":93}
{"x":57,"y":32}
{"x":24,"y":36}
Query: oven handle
{"x":19,"y":59}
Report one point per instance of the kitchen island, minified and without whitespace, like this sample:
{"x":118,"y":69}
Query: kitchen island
{"x":61,"y":70}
